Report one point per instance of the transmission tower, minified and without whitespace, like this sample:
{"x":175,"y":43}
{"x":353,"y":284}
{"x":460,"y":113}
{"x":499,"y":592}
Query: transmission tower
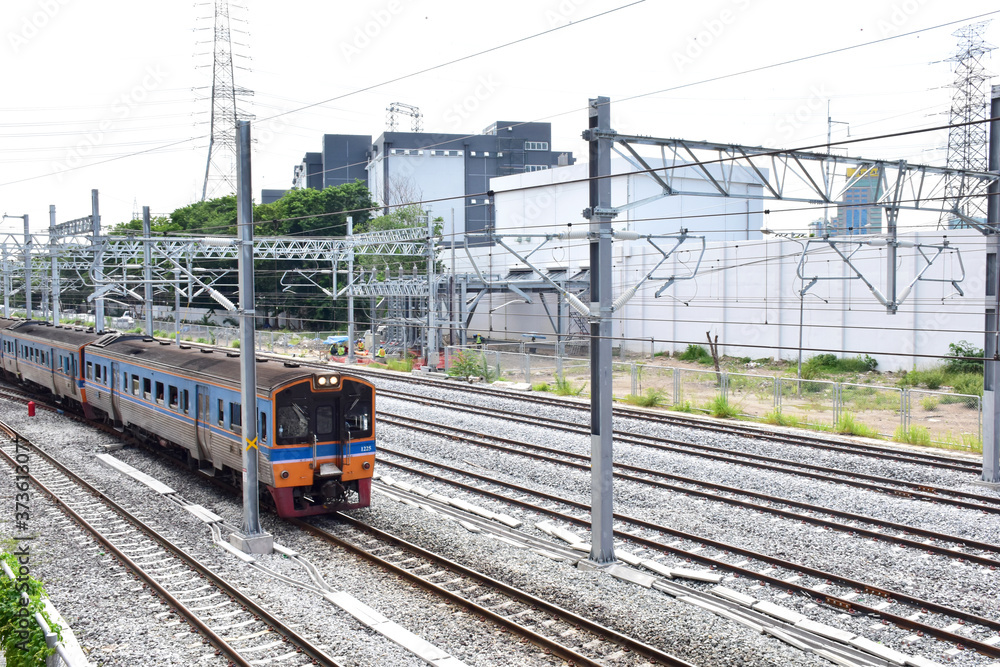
{"x":403,"y":110}
{"x":967,"y":139}
{"x":220,"y":168}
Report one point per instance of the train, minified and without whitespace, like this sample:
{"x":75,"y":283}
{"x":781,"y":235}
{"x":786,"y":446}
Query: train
{"x":316,"y":428}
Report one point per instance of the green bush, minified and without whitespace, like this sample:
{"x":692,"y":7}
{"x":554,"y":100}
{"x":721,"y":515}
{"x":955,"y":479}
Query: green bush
{"x":20,"y":650}
{"x":695,"y":353}
{"x":822,"y":364}
{"x":468,"y":364}
{"x":929,"y":403}
{"x":964,"y":349}
{"x":968,"y":383}
{"x":683,"y":406}
{"x":235,"y":344}
{"x":540,"y":386}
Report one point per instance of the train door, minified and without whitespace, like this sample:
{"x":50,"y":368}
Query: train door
{"x":116,"y":387}
{"x":203,"y":435}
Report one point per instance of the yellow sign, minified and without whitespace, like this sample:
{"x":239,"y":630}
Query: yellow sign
{"x":251,"y":443}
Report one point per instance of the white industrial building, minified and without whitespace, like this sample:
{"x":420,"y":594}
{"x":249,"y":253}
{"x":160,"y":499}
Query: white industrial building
{"x":745,"y":288}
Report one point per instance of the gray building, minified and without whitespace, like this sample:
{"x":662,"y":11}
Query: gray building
{"x":449,"y":173}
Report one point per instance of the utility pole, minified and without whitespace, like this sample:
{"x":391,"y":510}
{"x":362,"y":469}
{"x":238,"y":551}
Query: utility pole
{"x":350,"y":291}
{"x":431,"y":357}
{"x":98,"y":261}
{"x":27,"y":269}
{"x":147,"y":269}
{"x":253,"y":540}
{"x":600,"y":215}
{"x":54,"y":258}
{"x":991,"y":368}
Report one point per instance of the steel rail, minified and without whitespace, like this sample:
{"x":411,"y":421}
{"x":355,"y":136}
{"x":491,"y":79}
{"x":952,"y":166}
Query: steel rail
{"x":544,"y":642}
{"x":759,"y":433}
{"x":791,"y":587}
{"x":305,"y":645}
{"x":824,"y":473}
{"x":435,"y":429}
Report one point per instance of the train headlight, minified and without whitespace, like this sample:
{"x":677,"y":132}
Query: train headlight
{"x":327,"y":380}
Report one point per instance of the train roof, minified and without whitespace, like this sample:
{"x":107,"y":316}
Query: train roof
{"x":197,"y":362}
{"x":44,"y":332}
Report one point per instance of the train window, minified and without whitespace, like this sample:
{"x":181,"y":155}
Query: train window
{"x":97,"y":372}
{"x":135,"y":385}
{"x":124,"y":381}
{"x":324,"y":420}
{"x":358,"y":418}
{"x":222,"y":415}
{"x":263,"y":427}
{"x":184,"y":401}
{"x":172,"y":396}
{"x":147,"y":388}
{"x":159,"y":393}
{"x":90,"y":370}
{"x":235,"y":416}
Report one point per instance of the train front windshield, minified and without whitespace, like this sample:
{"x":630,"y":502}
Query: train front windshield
{"x":329,"y":416}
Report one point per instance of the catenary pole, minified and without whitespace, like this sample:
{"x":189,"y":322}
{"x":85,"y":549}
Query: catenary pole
{"x":350,"y":292}
{"x":600,"y":215}
{"x":27,"y":268}
{"x":54,"y":259}
{"x":147,"y":270}
{"x":98,"y":242}
{"x":253,"y":539}
{"x":991,"y":370}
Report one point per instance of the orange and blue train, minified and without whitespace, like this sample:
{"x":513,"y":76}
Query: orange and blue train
{"x":316,"y":428}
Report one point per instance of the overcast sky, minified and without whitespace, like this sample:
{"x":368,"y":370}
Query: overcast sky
{"x":114,"y":94}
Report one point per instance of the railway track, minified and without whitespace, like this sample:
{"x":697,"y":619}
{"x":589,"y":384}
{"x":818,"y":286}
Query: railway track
{"x":671,"y":419}
{"x":937,"y":494}
{"x":557,"y":631}
{"x":950,"y":546}
{"x":239,"y":628}
{"x":957,"y":627}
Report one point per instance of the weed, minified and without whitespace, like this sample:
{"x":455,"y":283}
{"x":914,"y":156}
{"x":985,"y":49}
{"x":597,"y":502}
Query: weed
{"x":541,"y":386}
{"x":235,"y":344}
{"x":722,"y":408}
{"x":968,"y":383}
{"x":566,"y":388}
{"x":468,"y":364}
{"x":849,"y":426}
{"x":651,"y":399}
{"x":778,"y":419}
{"x":683,"y":406}
{"x":929,"y":403}
{"x":915,"y":435}
{"x":30,"y":649}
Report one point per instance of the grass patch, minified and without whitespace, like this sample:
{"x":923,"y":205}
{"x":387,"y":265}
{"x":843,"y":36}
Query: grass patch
{"x":566,"y":388}
{"x":929,"y":403}
{"x":722,"y":408}
{"x":541,"y":386}
{"x":683,"y":406}
{"x":777,"y":418}
{"x":653,"y":398}
{"x":848,"y":425}
{"x":915,"y":435}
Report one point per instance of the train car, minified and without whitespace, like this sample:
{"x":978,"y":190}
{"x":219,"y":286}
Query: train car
{"x":316,"y":431}
{"x":48,"y":357}
{"x":8,"y":361}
